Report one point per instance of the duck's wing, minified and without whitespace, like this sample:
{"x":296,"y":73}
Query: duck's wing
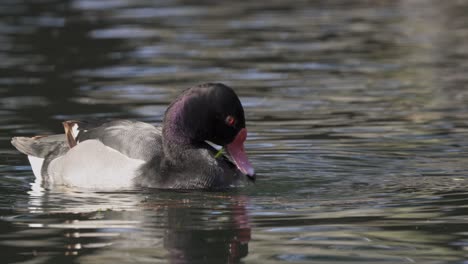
{"x":108,"y":156}
{"x":134,"y":139}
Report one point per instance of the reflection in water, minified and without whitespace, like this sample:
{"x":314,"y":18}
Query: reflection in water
{"x":192,"y":228}
{"x":225,"y":243}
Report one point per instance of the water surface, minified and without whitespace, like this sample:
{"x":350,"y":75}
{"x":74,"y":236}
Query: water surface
{"x":357,"y":116}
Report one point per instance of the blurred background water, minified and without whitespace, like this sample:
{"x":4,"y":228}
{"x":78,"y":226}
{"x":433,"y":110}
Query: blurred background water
{"x":357,"y":114}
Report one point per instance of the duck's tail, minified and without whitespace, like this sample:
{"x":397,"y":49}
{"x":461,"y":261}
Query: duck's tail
{"x":38,"y":146}
{"x":41,"y":148}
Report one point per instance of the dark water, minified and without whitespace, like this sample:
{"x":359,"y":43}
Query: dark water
{"x":357,"y":114}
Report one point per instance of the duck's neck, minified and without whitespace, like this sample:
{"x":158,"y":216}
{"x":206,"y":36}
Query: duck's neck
{"x":176,"y":131}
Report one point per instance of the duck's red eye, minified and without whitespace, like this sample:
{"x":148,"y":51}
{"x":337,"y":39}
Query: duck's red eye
{"x":230,"y":120}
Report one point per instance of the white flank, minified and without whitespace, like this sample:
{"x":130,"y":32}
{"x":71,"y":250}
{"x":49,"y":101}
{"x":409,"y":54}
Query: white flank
{"x":36,"y":165}
{"x":93,"y":165}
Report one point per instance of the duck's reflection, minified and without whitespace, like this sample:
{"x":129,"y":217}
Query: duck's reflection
{"x":174,"y":227}
{"x":221,"y":237}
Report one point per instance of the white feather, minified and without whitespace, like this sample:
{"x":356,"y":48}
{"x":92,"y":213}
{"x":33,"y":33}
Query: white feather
{"x":75,"y":131}
{"x":36,"y":165}
{"x":93,"y":165}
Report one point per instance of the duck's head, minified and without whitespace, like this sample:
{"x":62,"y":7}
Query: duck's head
{"x":210,"y":112}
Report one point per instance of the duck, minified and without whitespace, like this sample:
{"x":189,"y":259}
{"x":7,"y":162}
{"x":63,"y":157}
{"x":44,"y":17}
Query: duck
{"x":178,"y":154}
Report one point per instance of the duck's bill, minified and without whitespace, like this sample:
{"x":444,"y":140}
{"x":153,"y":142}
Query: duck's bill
{"x":237,"y":152}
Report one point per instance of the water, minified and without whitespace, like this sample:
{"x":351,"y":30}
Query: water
{"x":357,"y":115}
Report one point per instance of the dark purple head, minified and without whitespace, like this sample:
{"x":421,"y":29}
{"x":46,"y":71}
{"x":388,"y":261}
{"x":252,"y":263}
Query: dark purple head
{"x":211,"y":112}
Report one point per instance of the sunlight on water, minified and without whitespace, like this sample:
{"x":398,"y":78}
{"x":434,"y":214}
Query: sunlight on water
{"x":356,"y":110}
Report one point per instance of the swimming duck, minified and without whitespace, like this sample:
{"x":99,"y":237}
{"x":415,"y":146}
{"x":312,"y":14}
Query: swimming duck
{"x":124,"y":154}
